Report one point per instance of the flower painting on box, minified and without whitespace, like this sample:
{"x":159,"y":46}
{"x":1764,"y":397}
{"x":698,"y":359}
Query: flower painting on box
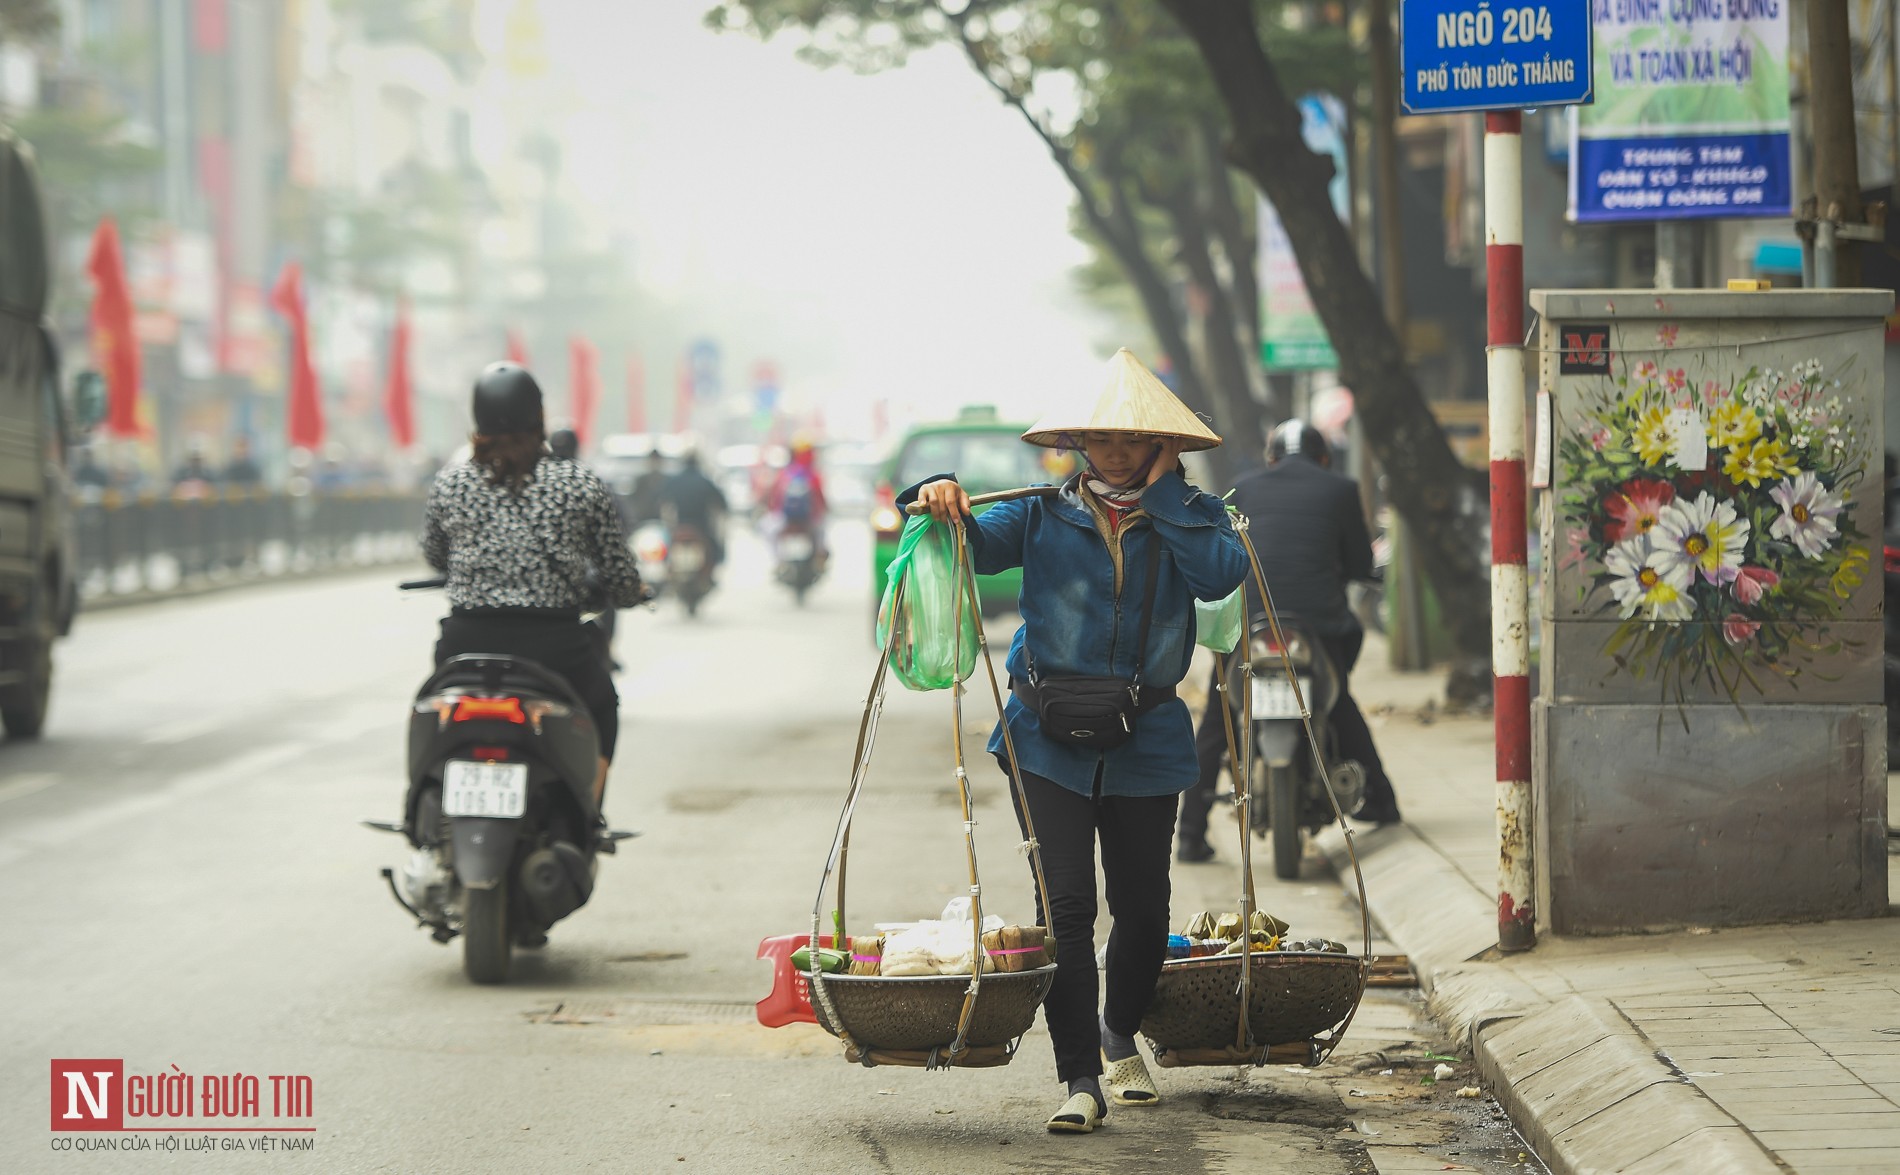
{"x":1711,"y":517}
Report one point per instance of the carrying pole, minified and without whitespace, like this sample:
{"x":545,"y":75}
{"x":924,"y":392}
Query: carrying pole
{"x":1510,"y":582}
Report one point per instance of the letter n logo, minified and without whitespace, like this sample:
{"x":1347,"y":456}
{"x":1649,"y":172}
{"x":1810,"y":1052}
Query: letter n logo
{"x":88,"y":1095}
{"x":1586,"y":350}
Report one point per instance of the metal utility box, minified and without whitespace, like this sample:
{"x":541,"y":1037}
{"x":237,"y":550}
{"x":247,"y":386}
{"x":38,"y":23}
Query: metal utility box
{"x":1710,"y":734}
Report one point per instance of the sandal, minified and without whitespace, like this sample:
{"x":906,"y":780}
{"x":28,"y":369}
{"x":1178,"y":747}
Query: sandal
{"x":1078,"y":1115}
{"x":1128,"y":1082}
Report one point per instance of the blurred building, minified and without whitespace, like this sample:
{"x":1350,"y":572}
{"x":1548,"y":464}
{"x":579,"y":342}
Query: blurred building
{"x":397,"y":149}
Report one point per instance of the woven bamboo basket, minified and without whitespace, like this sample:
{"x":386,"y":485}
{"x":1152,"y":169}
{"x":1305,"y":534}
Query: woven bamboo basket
{"x":918,"y":1013}
{"x":1294,"y":998}
{"x":1261,"y":1007}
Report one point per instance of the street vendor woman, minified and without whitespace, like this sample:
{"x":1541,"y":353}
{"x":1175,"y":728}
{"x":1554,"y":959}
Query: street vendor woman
{"x":1112,"y":561}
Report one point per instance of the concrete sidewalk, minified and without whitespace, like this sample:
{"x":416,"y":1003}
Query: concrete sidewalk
{"x":1760,"y":1050}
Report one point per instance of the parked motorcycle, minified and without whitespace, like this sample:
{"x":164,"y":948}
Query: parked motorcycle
{"x":689,"y":567}
{"x":1289,"y":794}
{"x":500,"y":808}
{"x":799,"y":563}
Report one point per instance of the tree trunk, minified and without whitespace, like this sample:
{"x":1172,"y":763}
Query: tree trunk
{"x":1438,"y":498}
{"x":1239,"y":238}
{"x":1235,"y":229}
{"x":1385,"y":164}
{"x":1245,"y":431}
{"x":1836,"y":153}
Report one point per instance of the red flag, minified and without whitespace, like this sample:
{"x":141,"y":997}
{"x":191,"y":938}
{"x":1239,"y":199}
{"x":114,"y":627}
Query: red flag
{"x":399,"y":397}
{"x":636,"y":394}
{"x":305,"y":414}
{"x":683,"y":403}
{"x":584,"y":380}
{"x":115,"y":344}
{"x":517,"y":350}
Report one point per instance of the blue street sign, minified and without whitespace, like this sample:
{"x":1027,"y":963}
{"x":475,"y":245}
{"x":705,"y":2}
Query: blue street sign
{"x":1479,"y":55}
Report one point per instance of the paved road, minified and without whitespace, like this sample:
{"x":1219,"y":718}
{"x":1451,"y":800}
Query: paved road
{"x":187,"y":886}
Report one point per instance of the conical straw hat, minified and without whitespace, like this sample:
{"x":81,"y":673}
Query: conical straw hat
{"x":1133,"y":401}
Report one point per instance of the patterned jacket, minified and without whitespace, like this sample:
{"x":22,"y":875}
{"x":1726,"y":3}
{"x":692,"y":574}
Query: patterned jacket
{"x":543,"y":548}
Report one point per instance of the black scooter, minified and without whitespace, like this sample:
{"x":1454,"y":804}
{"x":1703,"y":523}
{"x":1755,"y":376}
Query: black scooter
{"x":1284,"y":774}
{"x":500,"y":808}
{"x":799,"y":561}
{"x":689,"y":567}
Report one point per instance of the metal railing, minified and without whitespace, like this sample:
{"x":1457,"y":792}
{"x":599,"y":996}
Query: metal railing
{"x":131,"y":546}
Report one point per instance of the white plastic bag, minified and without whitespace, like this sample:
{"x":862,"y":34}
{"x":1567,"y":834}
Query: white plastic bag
{"x":944,"y":946}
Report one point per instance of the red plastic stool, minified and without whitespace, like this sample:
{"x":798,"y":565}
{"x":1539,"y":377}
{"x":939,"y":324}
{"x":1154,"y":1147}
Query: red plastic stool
{"x":790,"y":1001}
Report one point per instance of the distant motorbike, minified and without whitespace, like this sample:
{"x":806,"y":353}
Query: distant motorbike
{"x":500,"y":809}
{"x":650,"y":544}
{"x":1289,"y":794}
{"x":799,"y":562}
{"x":689,"y":567}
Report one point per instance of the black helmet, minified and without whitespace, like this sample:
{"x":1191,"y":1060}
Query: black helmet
{"x":1296,"y":438}
{"x":507,"y":400}
{"x":564,"y":443}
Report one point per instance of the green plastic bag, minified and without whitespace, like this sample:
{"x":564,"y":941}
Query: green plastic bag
{"x":1219,"y":625}
{"x":928,"y":654}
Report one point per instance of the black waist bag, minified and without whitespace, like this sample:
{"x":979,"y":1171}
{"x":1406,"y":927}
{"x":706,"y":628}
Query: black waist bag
{"x":1097,"y":712}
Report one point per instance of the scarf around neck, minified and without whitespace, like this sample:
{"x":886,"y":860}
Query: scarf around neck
{"x":1120,"y":497}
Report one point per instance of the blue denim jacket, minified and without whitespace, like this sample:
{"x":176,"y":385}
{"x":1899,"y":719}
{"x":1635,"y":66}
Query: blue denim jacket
{"x":1076,"y":624}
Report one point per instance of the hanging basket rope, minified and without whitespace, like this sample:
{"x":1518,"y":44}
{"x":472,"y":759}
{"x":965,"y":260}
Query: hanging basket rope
{"x":1259,"y":1007}
{"x":932,"y":1021}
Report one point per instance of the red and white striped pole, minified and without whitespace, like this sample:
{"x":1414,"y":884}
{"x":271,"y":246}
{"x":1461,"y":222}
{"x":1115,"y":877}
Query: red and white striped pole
{"x":1510,"y":582}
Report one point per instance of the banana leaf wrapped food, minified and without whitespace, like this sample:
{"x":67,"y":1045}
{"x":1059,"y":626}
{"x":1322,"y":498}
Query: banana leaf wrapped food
{"x":1019,"y":948}
{"x":867,"y":954}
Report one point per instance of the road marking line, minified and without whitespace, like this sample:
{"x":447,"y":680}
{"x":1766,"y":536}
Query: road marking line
{"x":179,"y":732}
{"x":89,"y":821}
{"x":26,"y":785}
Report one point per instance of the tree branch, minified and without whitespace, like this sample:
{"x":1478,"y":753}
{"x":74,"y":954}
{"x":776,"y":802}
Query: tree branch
{"x":1437,"y":496}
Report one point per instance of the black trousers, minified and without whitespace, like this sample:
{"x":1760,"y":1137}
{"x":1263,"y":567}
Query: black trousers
{"x":1135,"y":834}
{"x":1349,"y":725}
{"x":1349,"y":728}
{"x":556,"y":642}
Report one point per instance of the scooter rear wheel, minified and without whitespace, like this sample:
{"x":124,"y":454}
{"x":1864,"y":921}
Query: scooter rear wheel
{"x":1283,"y":813}
{"x":487,"y":946}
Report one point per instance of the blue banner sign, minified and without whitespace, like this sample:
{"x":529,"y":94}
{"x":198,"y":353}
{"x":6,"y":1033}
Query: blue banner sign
{"x":1479,"y":55}
{"x":1693,"y":116}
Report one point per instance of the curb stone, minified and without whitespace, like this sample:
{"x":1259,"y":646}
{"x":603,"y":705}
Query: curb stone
{"x":1587,"y":1090}
{"x":1555,"y":1066}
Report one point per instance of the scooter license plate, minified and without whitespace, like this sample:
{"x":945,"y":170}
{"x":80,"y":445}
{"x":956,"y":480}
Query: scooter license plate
{"x":794,"y":548}
{"x":688,"y":559}
{"x":1273,"y":697}
{"x":484,"y":789}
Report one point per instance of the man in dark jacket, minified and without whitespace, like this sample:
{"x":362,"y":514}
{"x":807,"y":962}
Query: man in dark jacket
{"x":1306,"y":523}
{"x":690,"y":498}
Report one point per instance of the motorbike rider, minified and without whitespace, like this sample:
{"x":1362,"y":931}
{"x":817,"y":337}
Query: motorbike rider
{"x":517,"y":532}
{"x":797,"y":496}
{"x":692,"y":499}
{"x":1090,"y":569}
{"x":564,"y":444}
{"x":645,"y":498}
{"x":1310,"y":532}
